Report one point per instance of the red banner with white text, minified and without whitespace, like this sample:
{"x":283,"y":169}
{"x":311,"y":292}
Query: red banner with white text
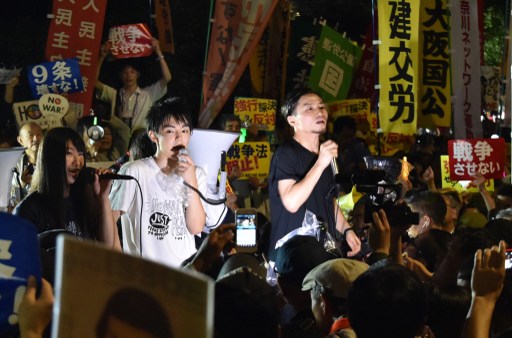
{"x":75,"y":32}
{"x":471,"y":156}
{"x":236,"y":29}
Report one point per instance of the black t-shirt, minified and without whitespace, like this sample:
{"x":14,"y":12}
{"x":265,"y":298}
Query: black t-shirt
{"x":292,"y":161}
{"x":35,"y":208}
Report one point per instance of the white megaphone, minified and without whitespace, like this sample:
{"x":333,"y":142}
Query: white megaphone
{"x":206,"y":148}
{"x":8,"y":159}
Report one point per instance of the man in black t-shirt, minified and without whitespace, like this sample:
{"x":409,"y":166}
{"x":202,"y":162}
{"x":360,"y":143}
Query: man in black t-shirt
{"x":300,"y":175}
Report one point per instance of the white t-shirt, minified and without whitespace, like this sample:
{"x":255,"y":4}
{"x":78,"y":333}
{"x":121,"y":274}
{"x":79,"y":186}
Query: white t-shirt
{"x":165,"y":237}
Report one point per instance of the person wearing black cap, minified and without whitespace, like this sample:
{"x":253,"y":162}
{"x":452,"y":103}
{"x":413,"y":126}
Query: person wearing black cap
{"x":294,"y":259}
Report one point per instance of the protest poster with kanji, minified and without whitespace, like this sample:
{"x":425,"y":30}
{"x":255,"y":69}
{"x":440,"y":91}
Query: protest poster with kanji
{"x":59,"y":77}
{"x":261,"y":112}
{"x":252,"y":158}
{"x":358,"y":109}
{"x":469,"y":157}
{"x":460,"y":186}
{"x":130,"y":41}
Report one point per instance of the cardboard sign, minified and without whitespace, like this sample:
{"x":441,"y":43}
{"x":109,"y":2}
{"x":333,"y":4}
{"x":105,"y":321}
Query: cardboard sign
{"x":130,"y":41}
{"x":29,"y":111}
{"x":469,"y":157}
{"x":55,"y":77}
{"x":19,"y":259}
{"x":53,"y":104}
{"x":253,"y":159}
{"x":261,"y":112}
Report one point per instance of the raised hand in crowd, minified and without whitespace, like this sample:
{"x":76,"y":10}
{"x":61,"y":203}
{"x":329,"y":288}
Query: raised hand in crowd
{"x":35,"y":313}
{"x":486,"y":285}
{"x":428,"y":177}
{"x":479,"y":183}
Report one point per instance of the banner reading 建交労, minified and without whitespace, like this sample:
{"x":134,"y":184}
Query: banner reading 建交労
{"x":75,"y":32}
{"x":398,"y":23}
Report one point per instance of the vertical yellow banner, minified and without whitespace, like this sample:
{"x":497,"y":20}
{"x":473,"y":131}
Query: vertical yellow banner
{"x":434,"y":91}
{"x":398,"y":65}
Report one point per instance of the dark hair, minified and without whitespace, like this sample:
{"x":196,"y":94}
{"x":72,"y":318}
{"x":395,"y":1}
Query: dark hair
{"x":225,"y":118}
{"x":137,"y":308}
{"x":344,"y":122}
{"x":50,"y":176}
{"x":447,"y":310}
{"x":161,"y":112}
{"x":292,"y":98}
{"x":387,"y":301}
{"x":140,"y":145}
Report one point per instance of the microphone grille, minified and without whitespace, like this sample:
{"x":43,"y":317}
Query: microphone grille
{"x":183,"y":151}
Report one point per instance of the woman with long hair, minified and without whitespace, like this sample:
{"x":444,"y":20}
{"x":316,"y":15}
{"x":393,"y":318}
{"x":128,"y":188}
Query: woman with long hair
{"x":65,"y":196}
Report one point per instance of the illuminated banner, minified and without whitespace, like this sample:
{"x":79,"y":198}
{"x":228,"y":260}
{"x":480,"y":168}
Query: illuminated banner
{"x":75,"y":32}
{"x":336,"y":59}
{"x":435,"y":90}
{"x":484,"y":156}
{"x":130,"y":41}
{"x":252,"y":158}
{"x":261,"y":112}
{"x":236,"y":30}
{"x":304,"y":35}
{"x":465,"y":69}
{"x":29,"y":111}
{"x":398,"y":65}
{"x":460,"y":186}
{"x":55,"y":78}
{"x":359,"y":109}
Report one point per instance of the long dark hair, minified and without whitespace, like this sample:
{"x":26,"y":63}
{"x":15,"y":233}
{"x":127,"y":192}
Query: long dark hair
{"x":50,"y":176}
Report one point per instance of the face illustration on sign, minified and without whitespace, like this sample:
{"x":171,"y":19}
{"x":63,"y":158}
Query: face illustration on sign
{"x":34,"y":112}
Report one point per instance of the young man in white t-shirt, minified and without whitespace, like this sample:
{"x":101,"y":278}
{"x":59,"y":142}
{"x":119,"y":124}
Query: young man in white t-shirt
{"x":159,"y":223}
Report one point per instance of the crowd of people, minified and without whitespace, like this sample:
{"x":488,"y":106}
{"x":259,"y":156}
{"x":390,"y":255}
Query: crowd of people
{"x":368,"y":273}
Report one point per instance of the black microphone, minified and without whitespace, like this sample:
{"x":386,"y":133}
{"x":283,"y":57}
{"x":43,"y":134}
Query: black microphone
{"x":88,"y":174}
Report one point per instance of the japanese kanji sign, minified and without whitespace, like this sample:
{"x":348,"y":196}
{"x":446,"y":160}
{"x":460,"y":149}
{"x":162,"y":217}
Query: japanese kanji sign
{"x":75,"y":32}
{"x":461,"y":186}
{"x":336,"y":60}
{"x":398,"y":65}
{"x":55,"y":78}
{"x":472,"y":156}
{"x":236,"y":30}
{"x":434,"y":93}
{"x":130,"y":41}
{"x":465,"y":69}
{"x":359,"y":109}
{"x":261,"y":112}
{"x":252,"y":158}
{"x":19,"y":259}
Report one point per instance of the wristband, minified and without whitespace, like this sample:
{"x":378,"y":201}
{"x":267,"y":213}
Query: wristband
{"x":347,"y":229}
{"x":159,"y":58}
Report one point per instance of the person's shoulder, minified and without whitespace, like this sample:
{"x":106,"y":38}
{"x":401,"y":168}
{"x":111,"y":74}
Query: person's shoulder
{"x":29,"y":203}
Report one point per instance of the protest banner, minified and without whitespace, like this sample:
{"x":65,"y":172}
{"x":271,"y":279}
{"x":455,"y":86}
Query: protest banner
{"x":261,"y":112}
{"x":29,"y":111}
{"x":130,"y":41}
{"x":460,"y":186}
{"x":252,"y":158}
{"x":59,"y":77}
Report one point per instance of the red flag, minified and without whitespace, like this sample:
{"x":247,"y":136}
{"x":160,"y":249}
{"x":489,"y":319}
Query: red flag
{"x":75,"y":32}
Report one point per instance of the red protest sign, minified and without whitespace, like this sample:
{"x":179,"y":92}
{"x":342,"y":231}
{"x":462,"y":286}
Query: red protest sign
{"x":472,"y":156}
{"x":130,"y":41}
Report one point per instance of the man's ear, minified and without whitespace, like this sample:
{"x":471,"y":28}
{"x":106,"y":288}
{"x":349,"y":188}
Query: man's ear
{"x":152,"y":137}
{"x":291,"y":120}
{"x":18,"y":138}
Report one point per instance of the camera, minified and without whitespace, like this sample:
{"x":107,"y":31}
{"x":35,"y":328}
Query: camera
{"x":382,"y":195}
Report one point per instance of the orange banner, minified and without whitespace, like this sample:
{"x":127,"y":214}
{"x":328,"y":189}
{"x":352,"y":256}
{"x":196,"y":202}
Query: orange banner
{"x":237,"y":27}
{"x":75,"y":32}
{"x":164,"y":26}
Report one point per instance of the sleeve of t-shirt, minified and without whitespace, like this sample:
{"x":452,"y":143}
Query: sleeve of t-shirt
{"x":122,"y":195}
{"x":286,"y":163}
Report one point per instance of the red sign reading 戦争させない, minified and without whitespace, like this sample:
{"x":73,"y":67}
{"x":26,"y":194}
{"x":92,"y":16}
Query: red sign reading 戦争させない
{"x":472,"y":156}
{"x":129,"y":41}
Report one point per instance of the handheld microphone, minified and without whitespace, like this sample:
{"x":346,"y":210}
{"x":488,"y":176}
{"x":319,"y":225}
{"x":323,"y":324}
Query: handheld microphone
{"x":334,"y":166}
{"x":183,"y":151}
{"x":89,"y":175}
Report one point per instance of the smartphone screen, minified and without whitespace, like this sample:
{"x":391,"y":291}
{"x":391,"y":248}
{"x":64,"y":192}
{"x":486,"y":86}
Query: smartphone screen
{"x":508,"y":259}
{"x":245,"y":231}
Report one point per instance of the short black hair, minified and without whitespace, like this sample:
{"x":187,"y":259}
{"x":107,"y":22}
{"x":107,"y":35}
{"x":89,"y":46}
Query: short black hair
{"x":344,"y":122}
{"x":292,"y":98}
{"x":172,"y":107}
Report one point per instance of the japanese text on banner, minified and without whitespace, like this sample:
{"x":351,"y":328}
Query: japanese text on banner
{"x":252,"y":158}
{"x":261,"y":112}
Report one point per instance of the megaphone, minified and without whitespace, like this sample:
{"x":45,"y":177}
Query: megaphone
{"x":8,"y":159}
{"x":206,"y":148}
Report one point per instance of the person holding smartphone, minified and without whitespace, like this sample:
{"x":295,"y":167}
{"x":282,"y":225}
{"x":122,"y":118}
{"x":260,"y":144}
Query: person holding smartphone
{"x":300,"y":176}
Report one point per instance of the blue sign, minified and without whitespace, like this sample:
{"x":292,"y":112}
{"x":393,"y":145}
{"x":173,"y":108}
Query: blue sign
{"x":19,"y":259}
{"x":57,"y":77}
